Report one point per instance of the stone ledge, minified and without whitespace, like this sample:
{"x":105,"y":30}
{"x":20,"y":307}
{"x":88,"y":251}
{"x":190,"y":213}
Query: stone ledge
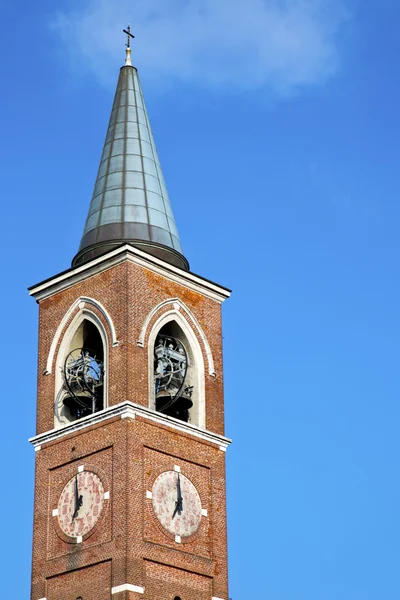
{"x":130,"y":410}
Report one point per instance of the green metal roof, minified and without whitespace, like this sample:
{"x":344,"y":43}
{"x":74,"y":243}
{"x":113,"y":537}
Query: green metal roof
{"x":130,"y":202}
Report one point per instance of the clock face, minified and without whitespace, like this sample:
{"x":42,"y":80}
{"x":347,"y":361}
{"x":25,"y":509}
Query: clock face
{"x":176,"y":504}
{"x":80,"y":504}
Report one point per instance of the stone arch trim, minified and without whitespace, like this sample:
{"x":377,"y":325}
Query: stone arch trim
{"x":80,"y":303}
{"x":84,"y":313}
{"x":162,"y":318}
{"x":179,"y":308}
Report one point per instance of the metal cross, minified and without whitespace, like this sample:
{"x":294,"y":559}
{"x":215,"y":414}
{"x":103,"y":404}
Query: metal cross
{"x":128,"y":35}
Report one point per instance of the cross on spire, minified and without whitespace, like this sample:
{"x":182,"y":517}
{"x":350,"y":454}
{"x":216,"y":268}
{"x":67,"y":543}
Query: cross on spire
{"x":128,"y":35}
{"x":128,"y":60}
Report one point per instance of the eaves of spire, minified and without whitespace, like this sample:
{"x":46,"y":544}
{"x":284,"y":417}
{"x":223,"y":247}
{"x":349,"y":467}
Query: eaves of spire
{"x":130,"y":202}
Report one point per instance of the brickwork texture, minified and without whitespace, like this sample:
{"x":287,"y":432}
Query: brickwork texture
{"x":127,"y":544}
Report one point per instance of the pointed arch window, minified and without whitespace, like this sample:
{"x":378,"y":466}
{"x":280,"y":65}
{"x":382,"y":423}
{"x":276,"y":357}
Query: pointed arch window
{"x":81,"y":370}
{"x":176,"y":371}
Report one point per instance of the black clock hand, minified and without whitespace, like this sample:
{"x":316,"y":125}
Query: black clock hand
{"x":78,"y":499}
{"x":178,"y":503}
{"x":180,"y":499}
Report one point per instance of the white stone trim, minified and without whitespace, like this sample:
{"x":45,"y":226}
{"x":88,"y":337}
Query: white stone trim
{"x":81,"y":468}
{"x":81,"y":304}
{"x":215,"y":598}
{"x":79,"y":539}
{"x":42,"y":598}
{"x":204,"y":512}
{"x":106,"y":495}
{"x":177,"y":306}
{"x":127,"y":587}
{"x":149,"y":495}
{"x":128,"y":416}
{"x":59,"y":392}
{"x":115,"y":257}
{"x":178,"y":539}
{"x":177,"y":469}
{"x":129,"y":409}
{"x":37,"y":448}
{"x":193,"y":342}
{"x":54,"y":512}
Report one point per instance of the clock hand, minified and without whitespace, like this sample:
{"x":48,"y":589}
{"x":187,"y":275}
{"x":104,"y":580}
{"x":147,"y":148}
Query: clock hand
{"x":180,"y":499}
{"x":78,"y":499}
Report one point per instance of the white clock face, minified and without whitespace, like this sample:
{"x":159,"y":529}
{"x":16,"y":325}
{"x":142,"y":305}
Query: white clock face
{"x":80,"y":504}
{"x":176,"y":504}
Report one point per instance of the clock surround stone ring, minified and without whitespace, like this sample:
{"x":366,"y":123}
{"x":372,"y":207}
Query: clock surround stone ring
{"x":176,"y":504}
{"x":91,"y":490}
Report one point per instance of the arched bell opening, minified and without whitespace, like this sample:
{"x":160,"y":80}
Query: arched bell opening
{"x":177,"y":372}
{"x":81,"y":372}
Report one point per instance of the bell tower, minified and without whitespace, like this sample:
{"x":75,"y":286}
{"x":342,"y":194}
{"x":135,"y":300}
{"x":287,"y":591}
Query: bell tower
{"x":130,"y":445}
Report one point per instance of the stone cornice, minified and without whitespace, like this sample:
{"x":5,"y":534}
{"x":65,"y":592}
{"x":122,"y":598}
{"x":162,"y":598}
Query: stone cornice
{"x":76,"y":275}
{"x":130,"y":410}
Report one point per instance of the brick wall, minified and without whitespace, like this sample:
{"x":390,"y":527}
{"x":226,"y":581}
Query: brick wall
{"x":129,"y":292}
{"x":128,"y":544}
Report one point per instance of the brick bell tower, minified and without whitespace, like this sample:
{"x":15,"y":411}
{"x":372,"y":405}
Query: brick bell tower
{"x":130,"y":446}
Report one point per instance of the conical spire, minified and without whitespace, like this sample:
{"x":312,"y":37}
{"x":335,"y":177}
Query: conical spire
{"x":130,"y":201}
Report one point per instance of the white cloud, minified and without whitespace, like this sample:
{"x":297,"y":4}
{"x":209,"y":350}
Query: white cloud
{"x":280,"y":44}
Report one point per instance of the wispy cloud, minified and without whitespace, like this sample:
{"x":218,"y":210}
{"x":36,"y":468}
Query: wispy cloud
{"x":279,"y":44}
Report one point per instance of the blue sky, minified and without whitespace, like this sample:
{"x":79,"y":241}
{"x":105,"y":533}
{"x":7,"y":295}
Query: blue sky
{"x":278,"y":128}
